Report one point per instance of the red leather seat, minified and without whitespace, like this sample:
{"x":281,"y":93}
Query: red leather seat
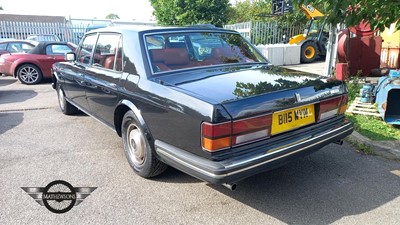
{"x":169,"y":58}
{"x":109,"y":62}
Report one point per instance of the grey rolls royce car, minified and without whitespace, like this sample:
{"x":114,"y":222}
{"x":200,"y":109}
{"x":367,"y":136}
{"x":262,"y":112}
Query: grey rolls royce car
{"x":200,"y":99}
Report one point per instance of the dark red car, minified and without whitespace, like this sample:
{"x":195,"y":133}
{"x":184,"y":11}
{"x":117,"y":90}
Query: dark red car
{"x":14,"y":46}
{"x":33,"y":66}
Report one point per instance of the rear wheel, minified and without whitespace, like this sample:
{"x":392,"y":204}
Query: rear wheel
{"x":308,"y":52}
{"x":66,"y":107}
{"x":29,"y":74}
{"x":137,"y":148}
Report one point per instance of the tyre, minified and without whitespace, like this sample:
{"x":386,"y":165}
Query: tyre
{"x":308,"y":52}
{"x":137,"y":148}
{"x":66,"y":107}
{"x":29,"y":74}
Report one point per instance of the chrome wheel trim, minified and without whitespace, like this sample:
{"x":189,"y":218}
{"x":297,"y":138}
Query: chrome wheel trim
{"x":136,"y":145}
{"x":29,"y":74}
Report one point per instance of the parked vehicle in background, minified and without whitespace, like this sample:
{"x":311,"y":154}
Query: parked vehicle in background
{"x":14,"y":46}
{"x":43,"y":37}
{"x":200,"y":99}
{"x":33,"y":66}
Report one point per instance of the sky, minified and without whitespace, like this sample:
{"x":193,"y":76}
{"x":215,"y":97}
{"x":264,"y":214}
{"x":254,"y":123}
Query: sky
{"x":140,"y":10}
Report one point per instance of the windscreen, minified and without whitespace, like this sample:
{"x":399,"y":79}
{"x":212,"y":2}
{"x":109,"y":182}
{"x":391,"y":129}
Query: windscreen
{"x":198,"y":49}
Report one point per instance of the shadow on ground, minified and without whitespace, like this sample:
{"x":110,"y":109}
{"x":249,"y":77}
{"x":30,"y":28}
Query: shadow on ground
{"x":319,"y":189}
{"x":11,"y":96}
{"x":172,"y":175}
{"x":5,"y":82}
{"x":10,"y":120}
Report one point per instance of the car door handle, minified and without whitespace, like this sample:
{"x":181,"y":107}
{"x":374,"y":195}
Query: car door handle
{"x":81,"y":82}
{"x":113,"y":85}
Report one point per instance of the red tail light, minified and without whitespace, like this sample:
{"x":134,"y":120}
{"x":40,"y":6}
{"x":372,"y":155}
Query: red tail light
{"x":251,"y":129}
{"x":331,"y":107}
{"x":225,"y":135}
{"x":216,"y":136}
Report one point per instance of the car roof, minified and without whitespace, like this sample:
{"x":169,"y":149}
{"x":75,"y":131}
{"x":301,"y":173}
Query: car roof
{"x":17,"y":41}
{"x":39,"y":49}
{"x":146,"y":29}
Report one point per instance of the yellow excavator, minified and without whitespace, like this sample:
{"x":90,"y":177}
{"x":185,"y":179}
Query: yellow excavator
{"x":315,"y":37}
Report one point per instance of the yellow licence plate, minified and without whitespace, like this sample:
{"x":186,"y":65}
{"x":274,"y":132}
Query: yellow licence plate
{"x":292,"y":118}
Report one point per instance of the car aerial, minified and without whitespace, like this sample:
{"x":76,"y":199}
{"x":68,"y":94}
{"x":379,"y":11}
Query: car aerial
{"x":43,"y":37}
{"x":13,"y":46}
{"x":33,"y":66}
{"x":200,"y":99}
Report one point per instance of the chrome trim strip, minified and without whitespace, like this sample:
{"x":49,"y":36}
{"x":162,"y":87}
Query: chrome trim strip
{"x":216,"y":176}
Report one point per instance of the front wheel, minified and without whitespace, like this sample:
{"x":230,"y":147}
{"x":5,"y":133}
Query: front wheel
{"x":308,"y":52}
{"x":29,"y":74}
{"x":66,"y":107}
{"x":137,"y":148}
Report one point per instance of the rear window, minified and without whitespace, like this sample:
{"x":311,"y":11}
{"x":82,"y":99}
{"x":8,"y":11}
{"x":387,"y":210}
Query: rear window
{"x":198,"y":49}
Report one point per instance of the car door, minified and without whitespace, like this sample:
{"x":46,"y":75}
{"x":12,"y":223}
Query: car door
{"x":74,"y":75}
{"x":103,"y":77}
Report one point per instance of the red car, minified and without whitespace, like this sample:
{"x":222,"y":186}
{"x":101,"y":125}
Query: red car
{"x":33,"y":66}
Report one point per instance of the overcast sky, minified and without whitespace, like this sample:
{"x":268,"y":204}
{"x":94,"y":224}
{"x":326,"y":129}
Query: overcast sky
{"x":140,"y":10}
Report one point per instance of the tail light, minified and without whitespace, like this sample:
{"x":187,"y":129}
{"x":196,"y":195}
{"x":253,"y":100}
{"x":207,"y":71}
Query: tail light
{"x":225,"y":135}
{"x":332,"y":107}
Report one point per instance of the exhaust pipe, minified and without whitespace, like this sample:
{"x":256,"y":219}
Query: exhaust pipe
{"x":339,"y":142}
{"x":231,"y":187}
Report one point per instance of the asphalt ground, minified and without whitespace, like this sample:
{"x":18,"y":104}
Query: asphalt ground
{"x":38,"y":144}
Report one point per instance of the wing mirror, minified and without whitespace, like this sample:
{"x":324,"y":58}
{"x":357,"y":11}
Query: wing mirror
{"x":70,"y":56}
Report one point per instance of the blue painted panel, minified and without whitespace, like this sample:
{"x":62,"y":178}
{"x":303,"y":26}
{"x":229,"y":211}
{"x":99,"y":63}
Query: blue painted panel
{"x":388,"y":99}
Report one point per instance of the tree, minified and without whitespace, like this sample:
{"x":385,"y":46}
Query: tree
{"x":1,"y":7}
{"x":380,"y":14}
{"x":261,"y":10}
{"x":184,"y":12}
{"x":247,"y":10}
{"x":112,"y":16}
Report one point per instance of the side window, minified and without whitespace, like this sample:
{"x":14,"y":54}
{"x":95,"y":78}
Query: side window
{"x":57,"y":49}
{"x":85,"y":51}
{"x":107,"y":53}
{"x":14,"y":47}
{"x":3,"y":46}
{"x":26,"y":47}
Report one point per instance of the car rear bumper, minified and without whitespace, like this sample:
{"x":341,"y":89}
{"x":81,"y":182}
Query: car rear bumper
{"x":237,"y":168}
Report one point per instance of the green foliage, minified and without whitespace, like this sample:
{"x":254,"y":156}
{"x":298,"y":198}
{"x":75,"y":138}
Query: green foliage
{"x":112,"y":16}
{"x":186,"y":12}
{"x":261,"y":10}
{"x":380,"y":13}
{"x":354,"y":87}
{"x":244,"y":11}
{"x":374,"y":128}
